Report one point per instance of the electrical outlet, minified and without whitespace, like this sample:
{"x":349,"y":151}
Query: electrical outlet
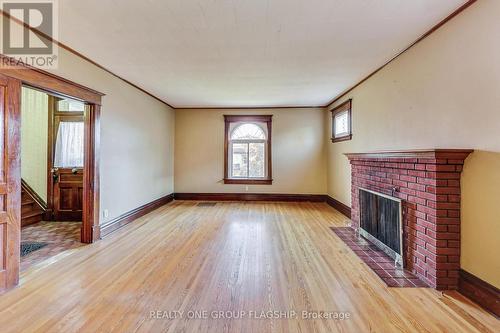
{"x":246,"y":188}
{"x":105,"y":213}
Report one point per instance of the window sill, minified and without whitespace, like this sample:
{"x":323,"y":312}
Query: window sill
{"x":248,"y":181}
{"x":342,"y":138}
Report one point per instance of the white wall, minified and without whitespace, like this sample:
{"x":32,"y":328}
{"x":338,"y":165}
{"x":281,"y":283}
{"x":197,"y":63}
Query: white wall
{"x":34,"y":138}
{"x":442,"y":93}
{"x":137,"y":139}
{"x":297,"y":151}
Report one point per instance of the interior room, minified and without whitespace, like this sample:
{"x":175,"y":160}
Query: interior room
{"x":250,"y":166}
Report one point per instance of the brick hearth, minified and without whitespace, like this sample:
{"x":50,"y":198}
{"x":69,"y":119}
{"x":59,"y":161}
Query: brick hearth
{"x":428,"y":182}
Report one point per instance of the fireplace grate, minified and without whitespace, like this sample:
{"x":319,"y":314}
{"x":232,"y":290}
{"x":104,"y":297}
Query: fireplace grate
{"x":380,"y":222}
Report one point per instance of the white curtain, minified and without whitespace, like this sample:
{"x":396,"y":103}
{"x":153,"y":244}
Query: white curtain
{"x":69,"y":145}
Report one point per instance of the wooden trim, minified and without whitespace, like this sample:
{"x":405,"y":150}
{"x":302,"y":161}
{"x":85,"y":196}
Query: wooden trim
{"x":134,"y":214}
{"x":208,"y":108}
{"x":50,"y":83}
{"x":52,"y":101}
{"x":78,"y":54}
{"x":53,"y":84}
{"x":228,"y":119}
{"x":250,"y":197}
{"x":91,"y":175}
{"x":481,"y":292}
{"x":226,"y":148}
{"x":342,"y":107}
{"x":344,"y":209}
{"x":269,"y":151}
{"x":29,"y":190}
{"x":338,"y":97}
{"x":342,"y":138}
{"x":425,"y":35}
{"x":10,"y":222}
{"x":346,"y":106}
{"x":248,"y":181}
{"x":416,"y":153}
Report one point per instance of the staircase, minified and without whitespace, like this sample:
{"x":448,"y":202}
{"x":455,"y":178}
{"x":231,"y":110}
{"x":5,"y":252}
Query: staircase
{"x":31,"y":211}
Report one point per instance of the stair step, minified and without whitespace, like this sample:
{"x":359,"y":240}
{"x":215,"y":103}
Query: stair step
{"x":31,"y":220}
{"x":27,"y":202}
{"x":25,"y":210}
{"x":31,"y":214}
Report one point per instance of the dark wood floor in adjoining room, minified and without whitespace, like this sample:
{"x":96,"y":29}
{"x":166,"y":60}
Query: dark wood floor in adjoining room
{"x":230,"y":257}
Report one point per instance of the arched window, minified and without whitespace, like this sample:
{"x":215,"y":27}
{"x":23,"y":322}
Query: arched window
{"x":248,"y":131}
{"x":247,"y":150}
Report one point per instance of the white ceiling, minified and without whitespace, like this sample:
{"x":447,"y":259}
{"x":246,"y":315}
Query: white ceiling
{"x":243,"y":53}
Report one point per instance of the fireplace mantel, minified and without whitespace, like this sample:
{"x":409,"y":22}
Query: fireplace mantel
{"x":417,"y":153}
{"x":427,"y":182}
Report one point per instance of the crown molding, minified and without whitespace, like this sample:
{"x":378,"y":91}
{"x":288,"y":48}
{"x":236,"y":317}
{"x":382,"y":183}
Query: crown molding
{"x":421,"y":38}
{"x":71,"y":50}
{"x":335,"y":99}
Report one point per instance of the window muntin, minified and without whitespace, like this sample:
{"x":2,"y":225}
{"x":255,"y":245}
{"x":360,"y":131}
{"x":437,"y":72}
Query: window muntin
{"x":69,"y":105}
{"x":248,"y":131}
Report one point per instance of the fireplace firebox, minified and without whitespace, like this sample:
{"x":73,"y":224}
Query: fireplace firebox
{"x":381,"y":222}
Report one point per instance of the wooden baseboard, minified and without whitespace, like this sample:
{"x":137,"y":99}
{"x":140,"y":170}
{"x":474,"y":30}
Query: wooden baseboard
{"x":132,"y":215}
{"x":481,"y":292}
{"x":249,"y":197}
{"x":344,"y":209}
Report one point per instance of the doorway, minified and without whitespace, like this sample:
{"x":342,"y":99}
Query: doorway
{"x":52,"y":165}
{"x":11,"y":81}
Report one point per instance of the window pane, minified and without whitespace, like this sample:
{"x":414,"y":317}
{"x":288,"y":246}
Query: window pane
{"x":239,"y":160}
{"x":341,"y":123}
{"x":257,"y":160}
{"x":69,"y":145}
{"x":248,"y":132}
{"x":70,"y":106}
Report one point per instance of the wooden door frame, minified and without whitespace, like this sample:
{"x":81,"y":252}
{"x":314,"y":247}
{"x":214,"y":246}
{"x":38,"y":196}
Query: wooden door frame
{"x":50,"y":133}
{"x":10,"y":187}
{"x":59,"y":86}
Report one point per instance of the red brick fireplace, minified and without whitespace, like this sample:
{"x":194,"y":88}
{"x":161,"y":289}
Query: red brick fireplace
{"x":428,"y":183}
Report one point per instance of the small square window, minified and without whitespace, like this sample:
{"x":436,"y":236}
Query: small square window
{"x":342,"y":122}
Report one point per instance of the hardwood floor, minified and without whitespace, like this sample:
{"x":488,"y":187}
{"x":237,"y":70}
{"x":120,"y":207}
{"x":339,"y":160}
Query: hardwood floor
{"x":233,"y":256}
